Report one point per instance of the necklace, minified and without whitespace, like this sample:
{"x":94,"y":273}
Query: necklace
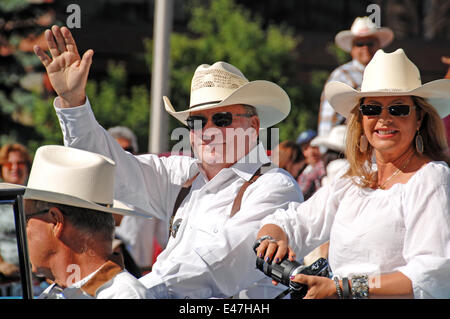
{"x":395,"y":173}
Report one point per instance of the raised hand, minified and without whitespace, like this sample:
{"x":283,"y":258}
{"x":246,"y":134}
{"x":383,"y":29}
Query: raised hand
{"x":68,"y":72}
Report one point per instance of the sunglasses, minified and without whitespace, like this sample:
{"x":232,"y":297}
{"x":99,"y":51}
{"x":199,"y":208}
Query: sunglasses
{"x":362,"y":44}
{"x":394,"y":110}
{"x":9,"y":165}
{"x":221,"y":119}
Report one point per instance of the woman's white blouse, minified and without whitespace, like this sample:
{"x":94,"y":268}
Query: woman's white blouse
{"x":405,"y":228}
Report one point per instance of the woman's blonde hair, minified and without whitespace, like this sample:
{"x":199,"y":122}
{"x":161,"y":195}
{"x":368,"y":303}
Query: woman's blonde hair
{"x":432,"y":131}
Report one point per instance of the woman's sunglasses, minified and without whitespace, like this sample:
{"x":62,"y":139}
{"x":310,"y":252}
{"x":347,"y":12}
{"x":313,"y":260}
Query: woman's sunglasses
{"x":221,"y":119}
{"x":394,"y":110}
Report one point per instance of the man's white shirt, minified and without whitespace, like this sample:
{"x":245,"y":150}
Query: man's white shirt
{"x":350,"y":73}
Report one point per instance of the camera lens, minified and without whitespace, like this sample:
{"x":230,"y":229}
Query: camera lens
{"x":279,"y":272}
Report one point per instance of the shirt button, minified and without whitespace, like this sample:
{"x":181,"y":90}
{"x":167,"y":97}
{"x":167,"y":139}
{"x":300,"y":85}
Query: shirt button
{"x":215,"y":230}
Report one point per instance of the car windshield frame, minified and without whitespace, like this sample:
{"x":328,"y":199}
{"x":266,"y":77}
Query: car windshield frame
{"x":13,"y":195}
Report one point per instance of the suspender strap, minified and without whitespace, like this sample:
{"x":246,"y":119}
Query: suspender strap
{"x":237,"y":201}
{"x":181,"y":196}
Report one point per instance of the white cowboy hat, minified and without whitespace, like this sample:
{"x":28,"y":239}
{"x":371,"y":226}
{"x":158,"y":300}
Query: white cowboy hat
{"x":74,"y":177}
{"x":222,"y":84}
{"x":363,"y":27}
{"x":335,"y":140}
{"x":390,"y":74}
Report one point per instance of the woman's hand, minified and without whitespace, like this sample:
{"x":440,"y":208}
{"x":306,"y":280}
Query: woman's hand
{"x":276,"y":247}
{"x":276,"y":250}
{"x":67,"y":72}
{"x":318,"y":287}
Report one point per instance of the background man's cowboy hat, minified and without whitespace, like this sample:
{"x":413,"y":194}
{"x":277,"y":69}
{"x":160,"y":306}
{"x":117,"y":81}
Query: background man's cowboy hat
{"x":74,"y":177}
{"x":390,"y":74}
{"x":222,"y":84}
{"x":363,"y":27}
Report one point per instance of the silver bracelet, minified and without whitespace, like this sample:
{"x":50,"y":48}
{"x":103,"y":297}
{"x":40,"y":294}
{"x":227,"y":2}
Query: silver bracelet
{"x":338,"y":287}
{"x":360,"y":286}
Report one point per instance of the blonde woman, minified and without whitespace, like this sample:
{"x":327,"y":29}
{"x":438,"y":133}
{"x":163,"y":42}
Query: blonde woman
{"x":388,"y":222}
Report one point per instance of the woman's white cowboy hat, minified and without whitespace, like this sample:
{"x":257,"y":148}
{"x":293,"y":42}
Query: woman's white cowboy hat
{"x":222,"y":84}
{"x":335,"y":140}
{"x":74,"y":177}
{"x":389,"y":74}
{"x":363,"y":27}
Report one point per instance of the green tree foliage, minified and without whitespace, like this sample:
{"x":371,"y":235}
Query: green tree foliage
{"x":20,"y":21}
{"x":26,"y":111}
{"x":218,"y":30}
{"x":221,"y":30}
{"x":112,"y":103}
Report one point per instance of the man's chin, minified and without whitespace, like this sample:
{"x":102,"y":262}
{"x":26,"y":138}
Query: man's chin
{"x":42,"y":272}
{"x":212,"y":159}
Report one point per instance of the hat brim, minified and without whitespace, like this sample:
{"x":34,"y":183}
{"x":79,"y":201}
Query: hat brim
{"x":343,"y":97}
{"x":344,"y":39}
{"x":271,"y":102}
{"x":118,"y":207}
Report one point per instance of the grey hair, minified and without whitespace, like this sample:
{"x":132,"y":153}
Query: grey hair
{"x":90,"y":222}
{"x":250,"y":109}
{"x":125,"y":132}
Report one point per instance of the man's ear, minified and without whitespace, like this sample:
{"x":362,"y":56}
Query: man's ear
{"x":57,"y":218}
{"x":255,"y":123}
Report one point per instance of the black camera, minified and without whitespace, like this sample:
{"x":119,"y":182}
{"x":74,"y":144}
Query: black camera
{"x":281,"y":272}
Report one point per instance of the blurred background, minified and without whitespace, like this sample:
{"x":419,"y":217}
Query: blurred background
{"x":289,"y":42}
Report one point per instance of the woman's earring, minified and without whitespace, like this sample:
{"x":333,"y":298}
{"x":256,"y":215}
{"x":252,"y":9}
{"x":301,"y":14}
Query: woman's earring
{"x":363,"y":143}
{"x":419,"y":143}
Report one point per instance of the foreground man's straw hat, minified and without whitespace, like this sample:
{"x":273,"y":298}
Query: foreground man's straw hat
{"x":222,"y":84}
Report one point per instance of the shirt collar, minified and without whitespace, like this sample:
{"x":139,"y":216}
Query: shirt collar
{"x":358,"y":65}
{"x":97,"y":278}
{"x":249,"y":164}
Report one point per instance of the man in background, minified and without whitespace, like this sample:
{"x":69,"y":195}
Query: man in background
{"x":361,"y":41}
